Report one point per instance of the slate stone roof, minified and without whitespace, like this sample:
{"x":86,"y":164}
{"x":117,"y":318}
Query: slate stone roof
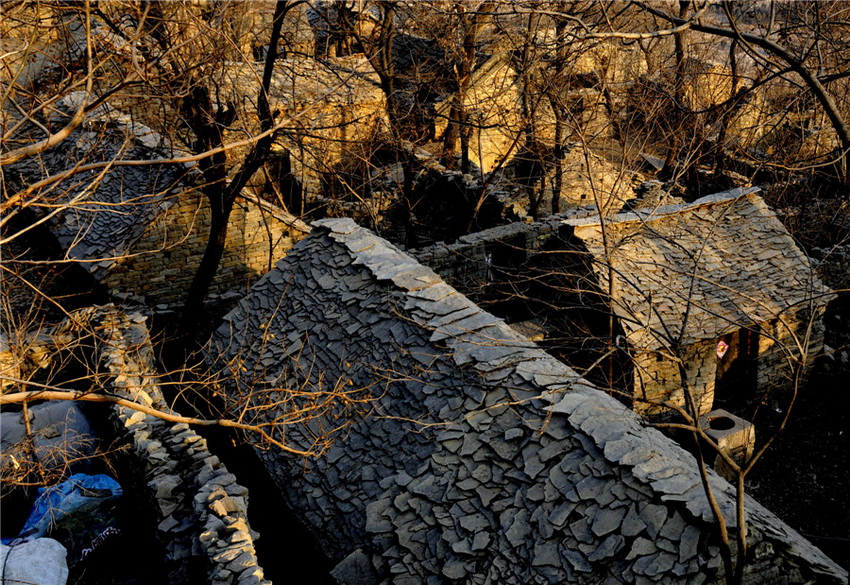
{"x":104,"y":210}
{"x":482,"y":458}
{"x":706,"y":267}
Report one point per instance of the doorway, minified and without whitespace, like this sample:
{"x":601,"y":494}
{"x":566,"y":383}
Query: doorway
{"x":735,"y":378}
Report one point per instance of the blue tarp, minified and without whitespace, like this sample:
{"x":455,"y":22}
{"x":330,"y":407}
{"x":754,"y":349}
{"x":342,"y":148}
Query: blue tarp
{"x":80,"y":494}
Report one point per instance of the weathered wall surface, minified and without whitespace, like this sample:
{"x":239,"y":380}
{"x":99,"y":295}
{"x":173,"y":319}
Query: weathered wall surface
{"x":335,"y":109}
{"x":482,"y":459}
{"x":658,"y":379}
{"x":161,"y":264}
{"x":778,"y":342}
{"x":201,"y":511}
{"x":469,"y":262}
{"x":833,"y":266}
{"x":493,"y":106}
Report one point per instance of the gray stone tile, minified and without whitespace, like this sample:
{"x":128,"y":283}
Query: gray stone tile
{"x":608,"y":520}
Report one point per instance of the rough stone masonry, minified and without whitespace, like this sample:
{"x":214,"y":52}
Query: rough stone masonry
{"x":473,"y":456}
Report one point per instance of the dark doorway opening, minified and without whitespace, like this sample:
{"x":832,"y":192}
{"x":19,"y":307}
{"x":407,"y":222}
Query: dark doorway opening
{"x":735,"y":379}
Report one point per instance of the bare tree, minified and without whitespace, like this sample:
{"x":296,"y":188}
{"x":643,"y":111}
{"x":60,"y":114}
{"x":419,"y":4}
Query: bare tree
{"x":80,"y":96}
{"x":606,"y":271}
{"x":470,"y":19}
{"x":207,"y":123}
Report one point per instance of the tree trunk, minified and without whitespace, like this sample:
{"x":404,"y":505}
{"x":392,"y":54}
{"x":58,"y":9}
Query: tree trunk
{"x":559,"y":163}
{"x":193,"y":306}
{"x":676,"y":118}
{"x":556,"y":102}
{"x":451,"y":137}
{"x":458,"y":128}
{"x":726,"y":116}
{"x":220,"y":195}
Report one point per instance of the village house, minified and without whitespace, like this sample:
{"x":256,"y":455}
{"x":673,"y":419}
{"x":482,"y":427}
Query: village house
{"x":139,"y":230}
{"x":590,"y":171}
{"x":719,"y":280}
{"x":464,"y":452}
{"x":451,"y":444}
{"x":329,"y":110}
{"x":718,"y":283}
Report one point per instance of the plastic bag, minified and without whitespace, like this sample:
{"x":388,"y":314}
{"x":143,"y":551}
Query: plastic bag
{"x":74,"y":512}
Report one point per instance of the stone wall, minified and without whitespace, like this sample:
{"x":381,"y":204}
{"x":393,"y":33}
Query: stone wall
{"x":469,"y":262}
{"x":475,"y":457}
{"x":778,"y":344}
{"x":201,"y":511}
{"x":138,"y":229}
{"x":163,"y":261}
{"x":335,"y":109}
{"x":833,"y":266}
{"x":657,"y":379}
{"x":493,"y":102}
{"x":332,"y":139}
{"x":34,"y":42}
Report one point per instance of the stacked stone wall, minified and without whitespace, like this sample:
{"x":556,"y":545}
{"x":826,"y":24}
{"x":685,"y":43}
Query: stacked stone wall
{"x":335,"y":107}
{"x":163,"y":262}
{"x":833,"y":266}
{"x":330,"y":137}
{"x":469,"y":262}
{"x":779,"y":343}
{"x":494,"y":101}
{"x":201,"y":510}
{"x":658,"y":379}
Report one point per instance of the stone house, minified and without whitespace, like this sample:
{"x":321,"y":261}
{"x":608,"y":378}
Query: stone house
{"x":494,"y":100}
{"x":138,"y":229}
{"x":333,"y":108}
{"x":720,"y":269}
{"x":492,"y":87}
{"x":160,"y":264}
{"x":720,"y":279}
{"x":464,"y":453}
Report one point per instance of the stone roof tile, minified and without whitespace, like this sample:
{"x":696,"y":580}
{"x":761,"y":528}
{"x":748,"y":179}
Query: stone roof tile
{"x":716,"y":245}
{"x":559,"y":482}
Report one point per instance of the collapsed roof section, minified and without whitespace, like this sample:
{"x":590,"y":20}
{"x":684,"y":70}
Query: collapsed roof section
{"x":98,"y":213}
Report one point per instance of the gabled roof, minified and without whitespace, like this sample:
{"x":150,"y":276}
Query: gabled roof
{"x":98,"y":214}
{"x":700,"y":269}
{"x":482,"y":458}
